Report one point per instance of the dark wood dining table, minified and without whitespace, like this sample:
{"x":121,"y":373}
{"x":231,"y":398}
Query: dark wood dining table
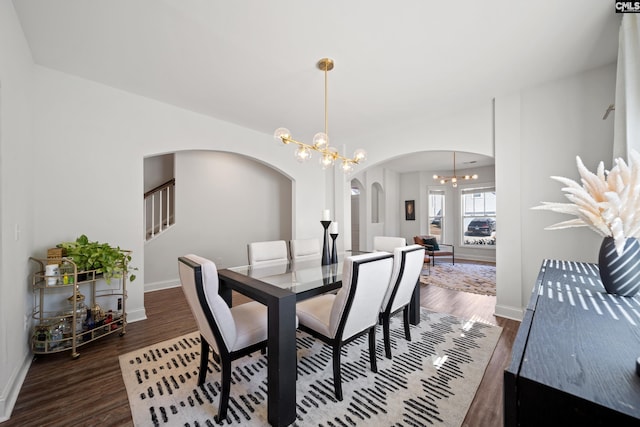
{"x":279,"y":286}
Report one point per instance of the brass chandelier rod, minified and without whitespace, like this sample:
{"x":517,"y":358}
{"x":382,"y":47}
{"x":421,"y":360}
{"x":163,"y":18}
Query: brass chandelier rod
{"x":454,"y":178}
{"x":326,"y":96}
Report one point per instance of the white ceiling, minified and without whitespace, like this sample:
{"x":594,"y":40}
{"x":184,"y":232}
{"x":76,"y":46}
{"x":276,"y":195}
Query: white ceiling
{"x":253,"y":62}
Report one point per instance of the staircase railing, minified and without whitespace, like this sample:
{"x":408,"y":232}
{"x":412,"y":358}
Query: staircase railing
{"x":159,"y":208}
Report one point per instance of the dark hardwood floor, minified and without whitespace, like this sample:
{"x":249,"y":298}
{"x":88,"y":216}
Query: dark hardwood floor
{"x":486,"y":408}
{"x":89,"y":391}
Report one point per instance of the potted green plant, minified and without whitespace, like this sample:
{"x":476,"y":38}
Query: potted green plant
{"x":102,"y":258}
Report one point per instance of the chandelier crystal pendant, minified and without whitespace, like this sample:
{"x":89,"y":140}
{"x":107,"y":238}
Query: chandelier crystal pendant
{"x":328,"y":155}
{"x":454,"y":178}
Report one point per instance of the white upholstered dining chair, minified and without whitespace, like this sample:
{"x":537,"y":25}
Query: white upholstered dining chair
{"x":267,"y":252}
{"x":337,"y":319}
{"x":302,"y":249}
{"x":388,"y":244}
{"x":231,"y":332}
{"x":407,"y":266}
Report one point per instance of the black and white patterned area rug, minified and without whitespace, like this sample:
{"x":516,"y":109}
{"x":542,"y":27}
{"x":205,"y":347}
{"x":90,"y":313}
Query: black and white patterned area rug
{"x":430,"y":381}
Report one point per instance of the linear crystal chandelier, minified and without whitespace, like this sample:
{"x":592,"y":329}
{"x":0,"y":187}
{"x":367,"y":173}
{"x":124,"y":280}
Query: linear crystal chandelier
{"x":328,"y":155}
{"x":454,"y":178}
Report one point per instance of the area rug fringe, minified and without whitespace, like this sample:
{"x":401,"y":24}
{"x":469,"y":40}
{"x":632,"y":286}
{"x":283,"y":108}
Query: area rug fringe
{"x":430,"y":380}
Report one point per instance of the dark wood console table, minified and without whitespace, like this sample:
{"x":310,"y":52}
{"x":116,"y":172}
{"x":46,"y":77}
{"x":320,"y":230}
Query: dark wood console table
{"x":574,"y":358}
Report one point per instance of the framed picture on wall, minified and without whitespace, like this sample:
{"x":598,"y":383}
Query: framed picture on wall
{"x":409,"y":210}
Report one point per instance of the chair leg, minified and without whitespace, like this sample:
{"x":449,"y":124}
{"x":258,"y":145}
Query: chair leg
{"x":407,"y":331}
{"x":204,"y":360}
{"x":372,"y":349}
{"x":225,"y":366}
{"x":337,"y":377}
{"x":386,"y":335}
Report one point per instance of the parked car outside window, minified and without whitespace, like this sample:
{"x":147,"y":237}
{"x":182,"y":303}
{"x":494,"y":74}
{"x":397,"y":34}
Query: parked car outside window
{"x":481,"y":227}
{"x":437,"y":220}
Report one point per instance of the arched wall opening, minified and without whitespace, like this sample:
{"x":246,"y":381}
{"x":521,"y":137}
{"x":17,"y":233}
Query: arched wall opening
{"x":358,"y":212}
{"x":223,"y":201}
{"x":409,"y":178}
{"x":377,"y":203}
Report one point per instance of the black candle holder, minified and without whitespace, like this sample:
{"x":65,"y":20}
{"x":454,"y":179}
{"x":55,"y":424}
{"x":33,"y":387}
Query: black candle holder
{"x":327,"y":274}
{"x":334,"y":252}
{"x":325,"y":244}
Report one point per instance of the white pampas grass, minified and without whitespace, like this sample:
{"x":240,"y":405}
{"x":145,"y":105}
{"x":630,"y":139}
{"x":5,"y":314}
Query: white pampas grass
{"x":606,"y":202}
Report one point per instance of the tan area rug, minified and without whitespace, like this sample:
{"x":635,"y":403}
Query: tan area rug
{"x":473,"y":278}
{"x":430,"y":381}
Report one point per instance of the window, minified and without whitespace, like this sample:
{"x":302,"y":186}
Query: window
{"x":435,"y":219}
{"x":479,"y":216}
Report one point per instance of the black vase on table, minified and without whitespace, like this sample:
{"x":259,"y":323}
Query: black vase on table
{"x":334,"y":251}
{"x":326,"y":260}
{"x":620,"y":274}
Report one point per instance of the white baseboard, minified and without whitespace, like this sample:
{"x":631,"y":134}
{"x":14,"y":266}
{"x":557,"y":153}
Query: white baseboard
{"x":136,"y":315}
{"x":158,"y":286}
{"x":475,"y":258}
{"x":140,"y":314}
{"x":509,"y":312}
{"x":8,"y":401}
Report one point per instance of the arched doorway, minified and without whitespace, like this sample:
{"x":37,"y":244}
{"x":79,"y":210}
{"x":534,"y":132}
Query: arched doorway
{"x":356,"y":192}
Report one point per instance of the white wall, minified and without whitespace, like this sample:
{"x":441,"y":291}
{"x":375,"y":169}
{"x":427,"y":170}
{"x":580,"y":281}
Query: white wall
{"x":470,"y":130}
{"x":359,"y":216}
{"x":538,"y":134}
{"x":94,"y":138}
{"x":394,"y":207}
{"x":16,"y":204}
{"x":339,"y":188}
{"x":389,"y":219}
{"x":71,"y":154}
{"x":409,"y":189}
{"x":158,"y":170}
{"x":509,"y":276}
{"x":223,"y":202}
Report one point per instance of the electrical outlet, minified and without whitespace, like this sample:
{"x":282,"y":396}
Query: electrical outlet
{"x":26,"y":322}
